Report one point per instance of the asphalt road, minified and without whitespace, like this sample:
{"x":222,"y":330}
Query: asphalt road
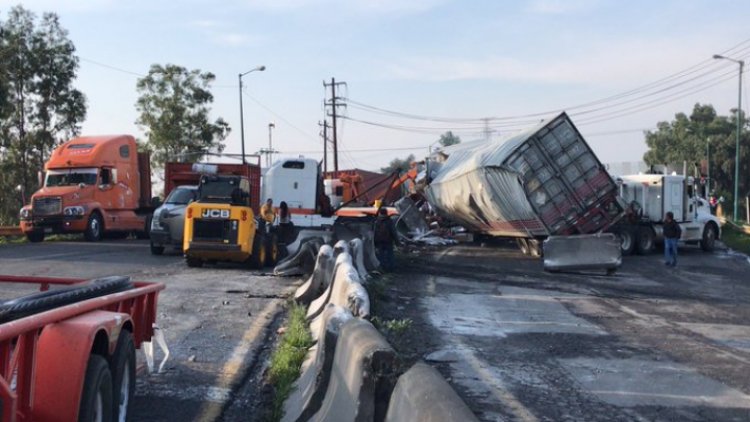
{"x":217,"y":321}
{"x":649,"y":343}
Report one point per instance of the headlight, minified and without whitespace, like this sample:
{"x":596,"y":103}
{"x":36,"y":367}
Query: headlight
{"x":155,"y":222}
{"x":25,"y":213}
{"x":73,"y":211}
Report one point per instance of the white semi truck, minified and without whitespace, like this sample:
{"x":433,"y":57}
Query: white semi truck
{"x":650,"y":197}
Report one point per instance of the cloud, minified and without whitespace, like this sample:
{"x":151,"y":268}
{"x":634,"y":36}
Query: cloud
{"x":556,"y":7}
{"x":352,"y":6}
{"x":233,"y":39}
{"x":624,"y":63}
{"x":205,"y":23}
{"x":40,"y":6}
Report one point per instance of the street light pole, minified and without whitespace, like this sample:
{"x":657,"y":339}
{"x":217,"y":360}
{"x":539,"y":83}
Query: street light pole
{"x":242,"y":117}
{"x":739,"y":128}
{"x":708,"y":167}
{"x":269,"y":157}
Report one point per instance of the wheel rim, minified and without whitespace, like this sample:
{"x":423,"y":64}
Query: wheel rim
{"x":626,"y":240}
{"x":94,"y":227}
{"x":124,"y":398}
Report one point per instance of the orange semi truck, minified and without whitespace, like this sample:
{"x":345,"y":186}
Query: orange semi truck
{"x":92,"y":185}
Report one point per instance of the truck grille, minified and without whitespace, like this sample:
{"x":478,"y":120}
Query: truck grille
{"x":51,"y":205}
{"x":205,"y":230}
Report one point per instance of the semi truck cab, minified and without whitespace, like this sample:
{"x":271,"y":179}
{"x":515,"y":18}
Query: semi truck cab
{"x":92,"y":184}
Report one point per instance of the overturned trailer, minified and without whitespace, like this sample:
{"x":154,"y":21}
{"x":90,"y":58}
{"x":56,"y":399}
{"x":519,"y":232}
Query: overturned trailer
{"x":545,"y":181}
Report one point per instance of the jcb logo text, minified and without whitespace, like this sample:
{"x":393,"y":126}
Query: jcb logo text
{"x":213,"y":213}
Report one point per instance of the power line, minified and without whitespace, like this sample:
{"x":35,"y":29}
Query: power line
{"x":675,"y":80}
{"x":83,"y":59}
{"x":279,"y":116}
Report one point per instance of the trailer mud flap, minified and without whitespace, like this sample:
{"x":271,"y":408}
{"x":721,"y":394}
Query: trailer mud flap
{"x":582,"y":253}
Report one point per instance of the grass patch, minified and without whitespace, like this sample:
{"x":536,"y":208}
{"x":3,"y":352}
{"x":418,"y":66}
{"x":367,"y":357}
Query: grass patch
{"x":288,"y":357}
{"x":735,"y":239}
{"x":12,"y":239}
{"x":395,"y":327}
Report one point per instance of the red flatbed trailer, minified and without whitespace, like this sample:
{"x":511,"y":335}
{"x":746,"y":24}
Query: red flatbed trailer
{"x":75,"y":358}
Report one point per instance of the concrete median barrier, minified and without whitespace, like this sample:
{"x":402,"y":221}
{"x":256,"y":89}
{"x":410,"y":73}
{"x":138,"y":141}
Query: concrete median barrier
{"x":582,"y":253}
{"x":303,"y":262}
{"x":349,"y":294}
{"x":342,"y":267}
{"x":304,"y":235}
{"x":362,"y":376}
{"x":340,"y":247}
{"x":309,"y":390}
{"x":358,"y":257}
{"x":421,"y":394}
{"x":371,"y":260}
{"x":319,"y":279}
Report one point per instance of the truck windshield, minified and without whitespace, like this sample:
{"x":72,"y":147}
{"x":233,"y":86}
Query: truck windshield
{"x":71,"y":177}
{"x":180,"y":196}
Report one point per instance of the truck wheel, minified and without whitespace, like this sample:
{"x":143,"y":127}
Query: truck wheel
{"x":96,"y":400}
{"x":627,"y":241}
{"x":193,"y":262}
{"x":123,"y":373}
{"x":35,"y":236}
{"x":523,"y":245}
{"x":646,"y":240}
{"x":258,"y":256}
{"x":94,"y":228}
{"x":272,"y":250}
{"x":156,"y":249}
{"x":709,"y":237}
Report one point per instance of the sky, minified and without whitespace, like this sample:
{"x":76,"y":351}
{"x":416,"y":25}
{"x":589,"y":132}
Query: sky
{"x":617,"y":67}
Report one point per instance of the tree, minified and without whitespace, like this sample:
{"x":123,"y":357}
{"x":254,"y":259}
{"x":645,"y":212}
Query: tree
{"x":39,"y":106}
{"x":448,"y":138}
{"x":685,"y":140}
{"x":174,"y":107}
{"x":398,"y":165}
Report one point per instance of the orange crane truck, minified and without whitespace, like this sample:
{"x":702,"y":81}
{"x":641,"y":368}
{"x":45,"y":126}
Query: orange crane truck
{"x":92,"y":185}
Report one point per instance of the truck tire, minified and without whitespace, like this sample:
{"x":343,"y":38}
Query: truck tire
{"x":35,"y":236}
{"x":272,"y":250}
{"x":193,"y":262}
{"x":710,"y":232}
{"x":156,"y":249}
{"x":523,"y":245}
{"x":43,"y":301}
{"x":258,"y":256}
{"x":96,"y":400}
{"x":646,"y":241}
{"x":123,"y":376}
{"x":94,"y":228}
{"x":627,"y":240}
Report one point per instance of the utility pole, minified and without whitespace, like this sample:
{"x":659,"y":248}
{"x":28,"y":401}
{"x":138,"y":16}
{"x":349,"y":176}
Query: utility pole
{"x":334,"y":107}
{"x":325,"y":126}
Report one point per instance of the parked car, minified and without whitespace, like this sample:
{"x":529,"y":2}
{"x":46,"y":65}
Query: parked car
{"x":168,"y":221}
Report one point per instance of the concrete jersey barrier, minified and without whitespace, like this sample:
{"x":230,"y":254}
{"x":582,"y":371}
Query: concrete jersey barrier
{"x":343,"y":266}
{"x":319,"y":279}
{"x":362,"y":376}
{"x":358,"y":258}
{"x":303,"y":262}
{"x":421,"y":394}
{"x":309,"y":390}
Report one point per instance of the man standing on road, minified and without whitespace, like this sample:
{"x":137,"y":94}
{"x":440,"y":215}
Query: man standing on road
{"x":385,"y":237}
{"x":267,"y":212}
{"x":672,"y":233}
